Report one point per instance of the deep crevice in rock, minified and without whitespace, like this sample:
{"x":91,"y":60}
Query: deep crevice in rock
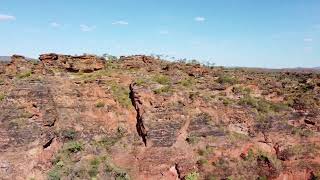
{"x":178,"y":171}
{"x":139,"y":125}
{"x":47,"y":144}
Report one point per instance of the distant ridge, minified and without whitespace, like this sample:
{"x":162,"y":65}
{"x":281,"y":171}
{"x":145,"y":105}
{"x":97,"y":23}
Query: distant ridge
{"x":5,"y":58}
{"x":8,"y":59}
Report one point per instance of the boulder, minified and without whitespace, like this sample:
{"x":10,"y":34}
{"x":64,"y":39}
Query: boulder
{"x":139,"y":61}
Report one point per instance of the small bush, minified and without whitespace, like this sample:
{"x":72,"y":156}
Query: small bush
{"x":224,"y":79}
{"x":140,"y":82}
{"x":161,"y":90}
{"x":74,"y":147}
{"x":192,"y":139}
{"x":100,"y":104}
{"x":94,"y":167}
{"x":188,"y":82}
{"x":162,"y":79}
{"x":116,"y":172}
{"x":54,"y":175}
{"x":69,"y":134}
{"x":261,"y":105}
{"x":121,"y":94}
{"x":2,"y":96}
{"x":239,"y":90}
{"x":226,"y":101}
{"x":205,"y":152}
{"x":192,"y":176}
{"x":109,"y":141}
{"x":24,"y":74}
{"x":202,"y":162}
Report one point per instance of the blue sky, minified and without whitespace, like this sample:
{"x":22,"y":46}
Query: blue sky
{"x":268,"y":33}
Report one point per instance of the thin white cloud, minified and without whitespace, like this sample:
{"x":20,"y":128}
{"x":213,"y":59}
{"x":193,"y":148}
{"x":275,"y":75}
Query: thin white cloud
{"x":4,"y":17}
{"x":55,"y":24}
{"x":307,"y":39}
{"x":86,"y":28}
{"x":200,"y":19}
{"x":164,"y":32}
{"x":120,"y":23}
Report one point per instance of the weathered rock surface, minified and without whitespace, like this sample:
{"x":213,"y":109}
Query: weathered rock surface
{"x":78,"y":117}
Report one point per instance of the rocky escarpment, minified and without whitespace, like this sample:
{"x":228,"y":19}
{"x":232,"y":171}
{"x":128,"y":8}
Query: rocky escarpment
{"x":139,"y":117}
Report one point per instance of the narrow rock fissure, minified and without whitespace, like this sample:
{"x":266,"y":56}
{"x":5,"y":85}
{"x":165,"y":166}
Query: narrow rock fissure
{"x":139,"y":125}
{"x":178,"y":171}
{"x":47,"y":144}
{"x":51,"y":124}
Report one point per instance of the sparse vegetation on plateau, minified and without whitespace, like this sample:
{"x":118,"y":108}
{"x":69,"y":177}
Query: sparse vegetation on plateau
{"x":162,"y":90}
{"x":261,"y":105}
{"x":192,"y":176}
{"x":100,"y":117}
{"x":187,"y":82}
{"x":24,"y":74}
{"x":162,"y":79}
{"x":225,"y":79}
{"x":121,"y":94}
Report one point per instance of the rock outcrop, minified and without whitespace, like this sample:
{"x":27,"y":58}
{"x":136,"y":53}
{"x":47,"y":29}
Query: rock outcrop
{"x":18,"y":65}
{"x":140,"y":61}
{"x":85,"y":63}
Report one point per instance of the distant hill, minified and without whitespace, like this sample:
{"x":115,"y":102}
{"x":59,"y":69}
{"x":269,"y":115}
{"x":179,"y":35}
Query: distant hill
{"x":8,"y":59}
{"x":300,"y":69}
{"x":5,"y":58}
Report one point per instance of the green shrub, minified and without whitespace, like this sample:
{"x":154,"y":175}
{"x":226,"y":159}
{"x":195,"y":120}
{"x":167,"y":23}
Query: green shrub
{"x":202,"y":162}
{"x":24,"y":74}
{"x":261,"y":105}
{"x":162,"y":79}
{"x":54,"y":175}
{"x":225,"y":79}
{"x":188,"y":82}
{"x":140,"y":82}
{"x":192,"y":176}
{"x":2,"y":96}
{"x":94,"y":167}
{"x":100,"y":104}
{"x":226,"y":101}
{"x":192,"y":139}
{"x":211,"y":177}
{"x":109,"y":141}
{"x":239,"y":90}
{"x":69,"y":134}
{"x":161,"y":90}
{"x":262,"y":178}
{"x":205,"y":152}
{"x":74,"y":147}
{"x":118,"y":173}
{"x":122,"y":176}
{"x":121,"y":94}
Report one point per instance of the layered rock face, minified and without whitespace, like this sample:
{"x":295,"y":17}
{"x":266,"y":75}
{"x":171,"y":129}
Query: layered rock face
{"x":80,"y":117}
{"x":85,"y":63}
